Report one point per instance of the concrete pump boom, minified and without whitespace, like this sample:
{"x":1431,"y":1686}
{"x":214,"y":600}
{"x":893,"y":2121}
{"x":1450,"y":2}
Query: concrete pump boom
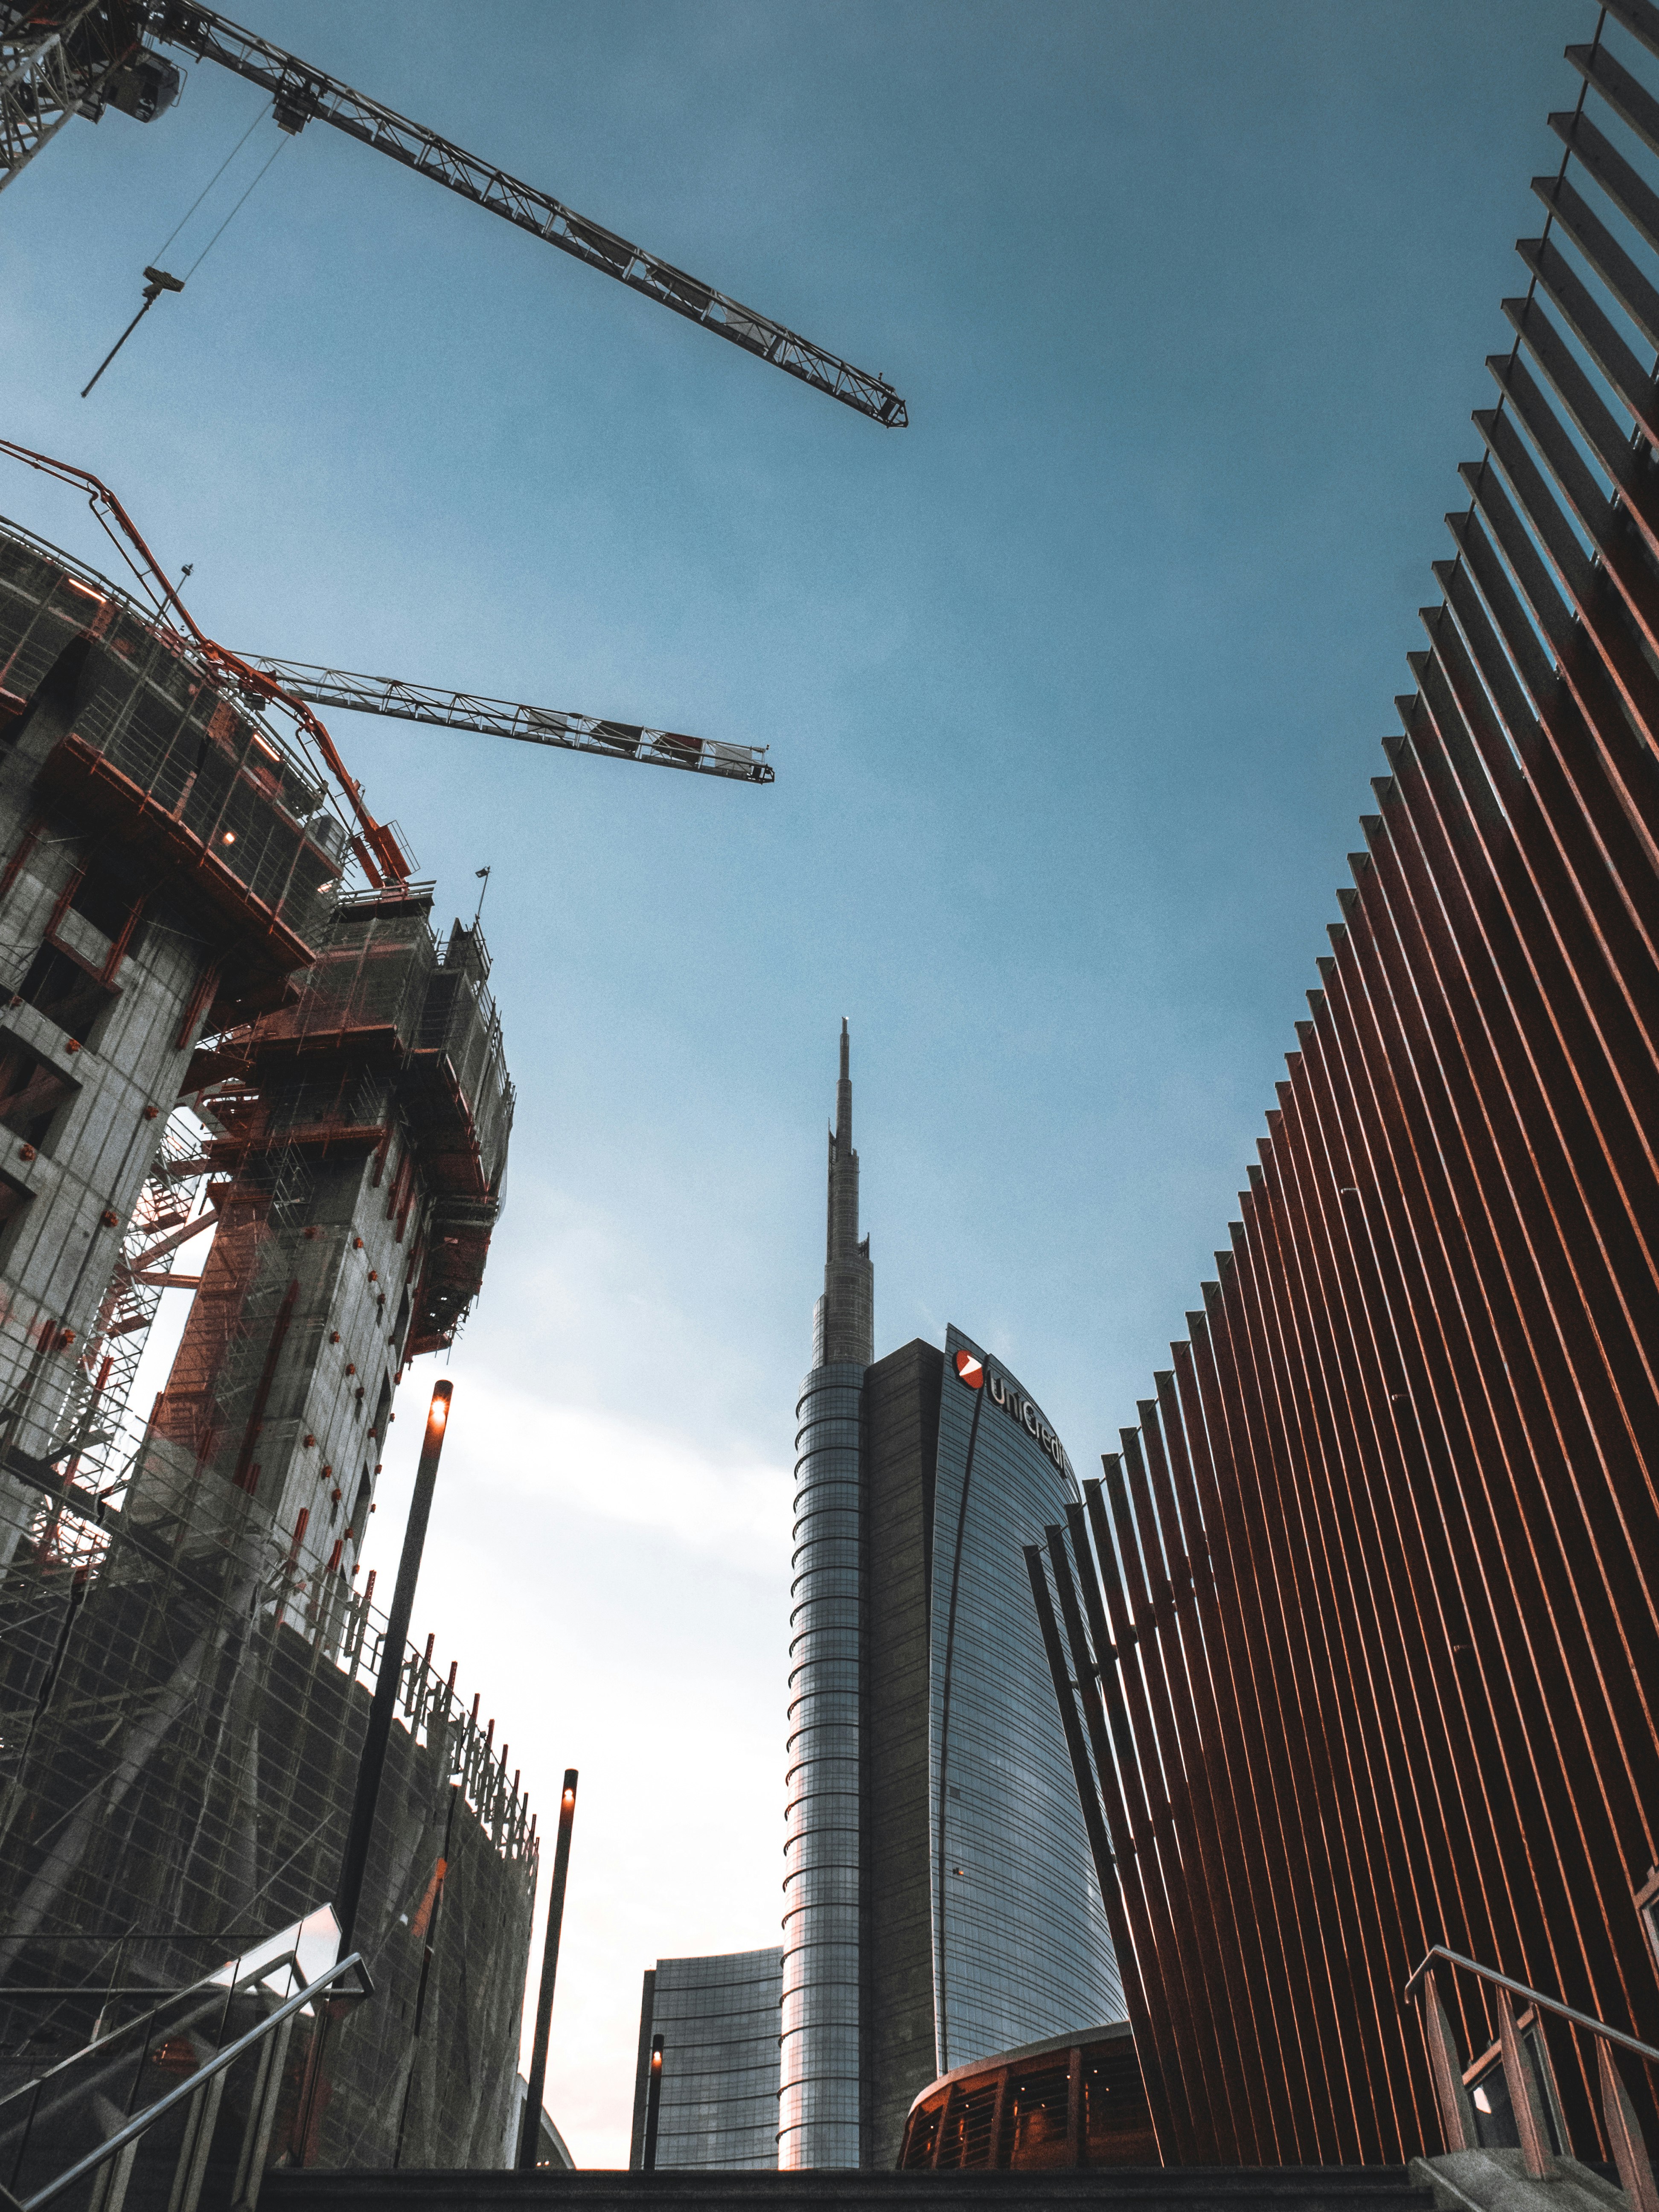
{"x":375,"y":843}
{"x":294,"y":686}
{"x":503,"y":718}
{"x":301,"y":93}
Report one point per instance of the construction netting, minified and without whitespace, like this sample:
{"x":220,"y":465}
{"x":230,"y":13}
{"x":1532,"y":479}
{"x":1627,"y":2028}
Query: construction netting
{"x":380,"y":987}
{"x":182,"y":1712}
{"x":367,"y":987}
{"x":163,"y":739}
{"x":460,"y":1041}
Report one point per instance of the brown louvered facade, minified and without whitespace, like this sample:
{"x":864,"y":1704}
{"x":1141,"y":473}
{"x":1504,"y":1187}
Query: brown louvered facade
{"x":1374,"y":1581}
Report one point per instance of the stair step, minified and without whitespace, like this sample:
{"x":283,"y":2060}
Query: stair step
{"x":1134,"y":2188}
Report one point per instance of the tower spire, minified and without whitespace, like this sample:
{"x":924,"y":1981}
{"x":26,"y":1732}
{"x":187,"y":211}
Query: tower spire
{"x":843,"y":1321}
{"x":844,"y":1114}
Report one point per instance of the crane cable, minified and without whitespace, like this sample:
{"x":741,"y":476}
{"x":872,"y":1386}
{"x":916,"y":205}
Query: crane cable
{"x":157,"y":280}
{"x":207,"y":188}
{"x":235,"y":212}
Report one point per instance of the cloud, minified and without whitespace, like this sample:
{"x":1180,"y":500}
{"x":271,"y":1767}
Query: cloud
{"x":617,"y":1590}
{"x":558,"y":1458}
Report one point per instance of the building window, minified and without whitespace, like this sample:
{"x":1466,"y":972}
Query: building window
{"x":58,"y":986}
{"x":1647,"y":1903}
{"x":33,"y":1095}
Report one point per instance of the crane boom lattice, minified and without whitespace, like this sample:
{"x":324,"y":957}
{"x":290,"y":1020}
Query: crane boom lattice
{"x":53,"y":68}
{"x":504,"y":718}
{"x":301,"y":93}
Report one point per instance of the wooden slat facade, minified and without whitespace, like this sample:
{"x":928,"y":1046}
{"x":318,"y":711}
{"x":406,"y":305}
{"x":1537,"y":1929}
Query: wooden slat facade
{"x":1363,"y":1621}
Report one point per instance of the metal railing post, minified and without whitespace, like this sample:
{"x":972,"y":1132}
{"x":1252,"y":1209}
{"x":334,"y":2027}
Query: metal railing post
{"x":1526,"y":2090}
{"x":200,"y":2120}
{"x":109,"y":2168}
{"x":261,"y":2120}
{"x":28,"y":2128}
{"x":1456,"y":2114}
{"x":1524,"y":2099}
{"x":109,"y":2190}
{"x":1630,"y":2153}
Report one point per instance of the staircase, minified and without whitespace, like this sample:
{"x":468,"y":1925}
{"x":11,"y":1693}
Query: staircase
{"x":1110,"y":2189}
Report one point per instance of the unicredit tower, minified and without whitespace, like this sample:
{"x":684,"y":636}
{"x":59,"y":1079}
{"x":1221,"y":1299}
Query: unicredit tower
{"x":939,"y":1900}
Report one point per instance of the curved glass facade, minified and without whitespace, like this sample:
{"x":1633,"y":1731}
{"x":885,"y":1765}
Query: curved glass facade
{"x":718,"y":2019}
{"x":939,"y":1900}
{"x":819,"y":2078}
{"x":1021,"y":1948}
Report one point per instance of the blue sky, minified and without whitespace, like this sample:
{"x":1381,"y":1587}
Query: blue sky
{"x":1073,"y":688}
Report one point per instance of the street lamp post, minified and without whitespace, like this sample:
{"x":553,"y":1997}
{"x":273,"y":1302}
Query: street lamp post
{"x":354,"y":1863}
{"x":652,"y":2107}
{"x":531,"y":2126}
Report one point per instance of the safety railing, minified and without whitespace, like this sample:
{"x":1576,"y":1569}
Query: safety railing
{"x":1527,"y":2079}
{"x":74,"y":2098}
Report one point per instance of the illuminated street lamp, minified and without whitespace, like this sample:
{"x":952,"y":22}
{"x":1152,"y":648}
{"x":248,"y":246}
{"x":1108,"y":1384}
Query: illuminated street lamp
{"x":354,"y":1864}
{"x":531,"y":2126}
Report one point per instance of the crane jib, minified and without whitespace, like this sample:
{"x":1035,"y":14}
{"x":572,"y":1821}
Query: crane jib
{"x":390,"y":695}
{"x":301,"y":95}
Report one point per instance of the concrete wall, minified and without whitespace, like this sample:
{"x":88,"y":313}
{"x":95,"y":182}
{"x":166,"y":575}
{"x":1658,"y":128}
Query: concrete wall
{"x":70,"y":1176}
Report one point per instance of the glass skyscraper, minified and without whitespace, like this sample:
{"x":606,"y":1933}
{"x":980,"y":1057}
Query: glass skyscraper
{"x":939,"y":1900}
{"x":717,"y":2101}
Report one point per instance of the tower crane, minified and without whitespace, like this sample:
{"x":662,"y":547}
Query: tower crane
{"x":59,"y":58}
{"x":505,"y":718}
{"x":291,"y":686}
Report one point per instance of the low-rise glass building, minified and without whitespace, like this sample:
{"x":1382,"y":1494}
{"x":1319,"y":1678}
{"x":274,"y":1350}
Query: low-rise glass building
{"x":717,"y":2105}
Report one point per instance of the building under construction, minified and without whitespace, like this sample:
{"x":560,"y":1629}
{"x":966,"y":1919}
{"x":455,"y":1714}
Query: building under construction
{"x":203,"y":1025}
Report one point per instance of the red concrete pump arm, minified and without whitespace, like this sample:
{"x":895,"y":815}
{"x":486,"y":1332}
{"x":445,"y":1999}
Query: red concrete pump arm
{"x":376,"y":848}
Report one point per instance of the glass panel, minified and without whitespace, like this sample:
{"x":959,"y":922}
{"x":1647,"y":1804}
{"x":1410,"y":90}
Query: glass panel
{"x":1040,"y":2100}
{"x":1495,"y":2126}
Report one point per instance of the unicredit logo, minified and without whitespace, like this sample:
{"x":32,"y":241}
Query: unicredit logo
{"x":1002,"y":1392}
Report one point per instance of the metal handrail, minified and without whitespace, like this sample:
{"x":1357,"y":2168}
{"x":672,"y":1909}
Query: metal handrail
{"x":1526,"y":2088}
{"x":207,"y":1992}
{"x":141,"y":2122}
{"x":1533,"y":1997}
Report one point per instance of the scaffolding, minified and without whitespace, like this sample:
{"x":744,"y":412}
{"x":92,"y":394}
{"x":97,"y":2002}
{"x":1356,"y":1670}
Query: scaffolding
{"x":186,"y":1663}
{"x":158,"y":751}
{"x":98,"y":1434}
{"x":182,"y":1709}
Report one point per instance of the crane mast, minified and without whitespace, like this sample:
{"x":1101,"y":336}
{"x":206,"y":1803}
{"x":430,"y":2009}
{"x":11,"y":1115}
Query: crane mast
{"x":503,"y":718}
{"x":57,"y":63}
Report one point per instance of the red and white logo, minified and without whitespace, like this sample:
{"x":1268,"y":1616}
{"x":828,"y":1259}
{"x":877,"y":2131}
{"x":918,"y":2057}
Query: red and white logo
{"x":971,"y":1370}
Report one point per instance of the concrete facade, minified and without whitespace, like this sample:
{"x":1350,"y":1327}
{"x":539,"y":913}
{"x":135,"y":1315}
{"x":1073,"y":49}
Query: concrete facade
{"x":364,"y":1132}
{"x":186,"y":1661}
